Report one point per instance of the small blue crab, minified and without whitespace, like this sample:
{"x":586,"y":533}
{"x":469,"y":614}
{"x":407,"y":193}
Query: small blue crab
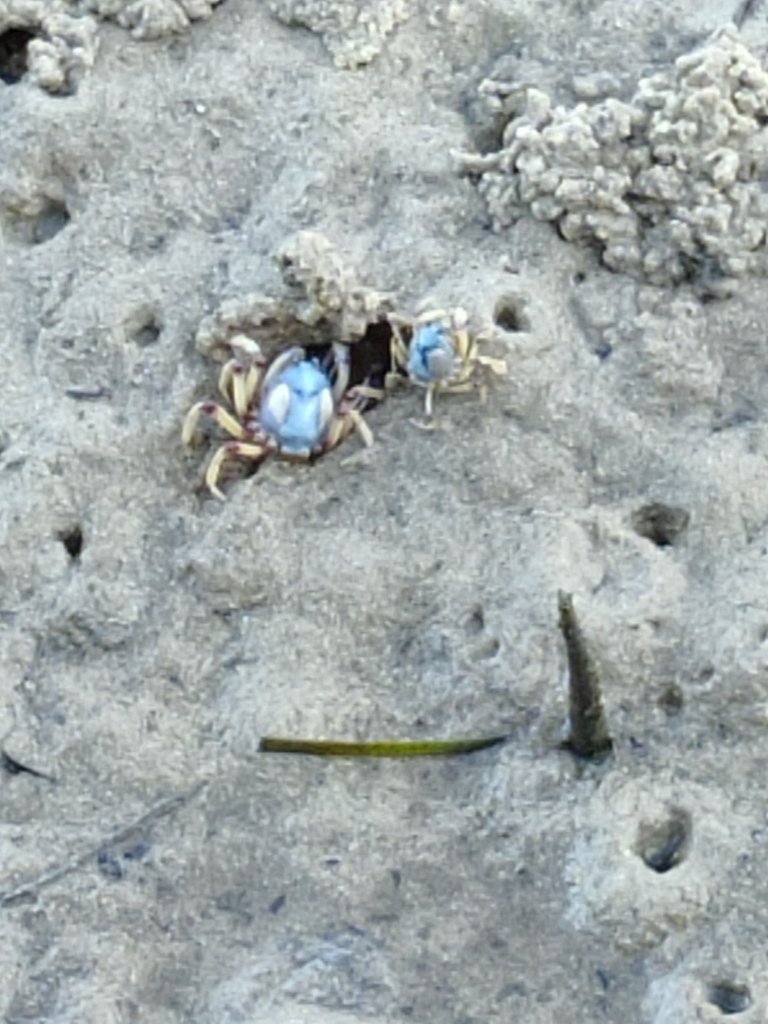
{"x":297,"y":406}
{"x":436,"y":351}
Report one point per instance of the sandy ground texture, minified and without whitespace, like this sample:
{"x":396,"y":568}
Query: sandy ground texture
{"x":559,"y":172}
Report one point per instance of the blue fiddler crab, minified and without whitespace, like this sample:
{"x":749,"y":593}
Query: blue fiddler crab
{"x":437,"y":351}
{"x":296,"y":405}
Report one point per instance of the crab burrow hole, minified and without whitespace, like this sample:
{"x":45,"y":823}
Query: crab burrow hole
{"x":144,"y":327}
{"x":509,"y":313}
{"x":671,"y":700}
{"x":14,"y":59}
{"x":72,"y":539}
{"x":475,"y":621}
{"x":729,"y":997}
{"x":662,"y":524}
{"x":370,"y":357}
{"x":38,"y":224}
{"x":663,"y":845}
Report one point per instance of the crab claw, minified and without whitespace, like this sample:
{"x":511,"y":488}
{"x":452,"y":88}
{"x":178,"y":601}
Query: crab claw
{"x":341,"y":367}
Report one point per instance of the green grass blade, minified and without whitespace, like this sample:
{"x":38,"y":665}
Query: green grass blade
{"x":377,"y":748}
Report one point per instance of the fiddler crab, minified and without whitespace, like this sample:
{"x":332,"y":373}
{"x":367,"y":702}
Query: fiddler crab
{"x":295,"y":405}
{"x":436,"y":351}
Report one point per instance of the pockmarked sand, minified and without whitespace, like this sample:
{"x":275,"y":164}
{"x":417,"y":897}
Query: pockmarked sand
{"x":586,"y":183}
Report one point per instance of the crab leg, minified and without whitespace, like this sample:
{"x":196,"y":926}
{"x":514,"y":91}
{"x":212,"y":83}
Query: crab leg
{"x":214,"y":471}
{"x":429,"y":400}
{"x":497,"y":366}
{"x":217,"y":413}
{"x":238,"y":384}
{"x":460,"y":387}
{"x":365,"y":432}
{"x":342,"y":424}
{"x":367,"y":393}
{"x":240,"y":398}
{"x":225,"y":378}
{"x":398,"y":349}
{"x":351,"y":410}
{"x":466,"y":347}
{"x":337,"y":431}
{"x":230,"y":450}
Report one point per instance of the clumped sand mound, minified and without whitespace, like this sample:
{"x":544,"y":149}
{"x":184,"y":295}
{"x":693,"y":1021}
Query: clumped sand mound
{"x":667,"y":186}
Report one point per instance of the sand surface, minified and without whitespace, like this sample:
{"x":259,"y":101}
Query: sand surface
{"x":156,"y":156}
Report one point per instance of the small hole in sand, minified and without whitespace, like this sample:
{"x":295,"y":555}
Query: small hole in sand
{"x":661,"y":524}
{"x":671,"y":699}
{"x":49,"y":222}
{"x":13,"y":54}
{"x":489,"y":649}
{"x":603,"y":350}
{"x":509,"y":314}
{"x":50,"y":217}
{"x":72,"y":539}
{"x":476,"y":620}
{"x":148,"y":333}
{"x":664,"y":845}
{"x":729,"y":997}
